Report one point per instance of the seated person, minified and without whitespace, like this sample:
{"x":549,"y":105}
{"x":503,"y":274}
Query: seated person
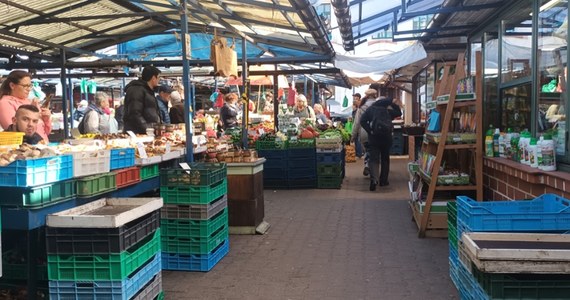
{"x":26,"y":120}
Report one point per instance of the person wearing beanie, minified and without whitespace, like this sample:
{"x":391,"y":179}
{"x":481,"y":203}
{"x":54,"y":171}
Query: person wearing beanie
{"x":177,"y":109}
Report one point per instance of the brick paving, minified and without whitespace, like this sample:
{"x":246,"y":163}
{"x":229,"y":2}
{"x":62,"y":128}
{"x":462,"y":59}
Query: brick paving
{"x":329,"y":244}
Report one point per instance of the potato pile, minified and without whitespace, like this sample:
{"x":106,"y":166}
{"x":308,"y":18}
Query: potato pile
{"x":25,"y":151}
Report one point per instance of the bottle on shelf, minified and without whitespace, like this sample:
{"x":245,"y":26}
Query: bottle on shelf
{"x":532,"y":151}
{"x":489,"y":142}
{"x":548,"y":154}
{"x":496,"y":147}
{"x":540,"y":163}
{"x":524,"y":142}
{"x":507,"y":143}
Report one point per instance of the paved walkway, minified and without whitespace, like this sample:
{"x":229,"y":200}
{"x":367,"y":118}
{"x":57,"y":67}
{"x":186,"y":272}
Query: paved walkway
{"x":329,"y":244}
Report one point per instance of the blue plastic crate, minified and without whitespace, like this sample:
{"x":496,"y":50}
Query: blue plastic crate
{"x":203,"y":263}
{"x":274,"y":173}
{"x":301,"y":162}
{"x":302,"y":153}
{"x":272,"y":154}
{"x":548,"y":212}
{"x":106,"y":289}
{"x":122,"y":158}
{"x":34,"y":172}
{"x":277,"y":184}
{"x":329,"y":158}
{"x":469,"y":288}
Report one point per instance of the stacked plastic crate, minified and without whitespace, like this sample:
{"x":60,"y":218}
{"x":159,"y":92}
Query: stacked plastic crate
{"x":275,"y":166}
{"x":330,"y":163}
{"x":547,"y":214}
{"x":195,"y":217}
{"x":123,"y":165}
{"x":107,"y":249}
{"x":301,"y":166}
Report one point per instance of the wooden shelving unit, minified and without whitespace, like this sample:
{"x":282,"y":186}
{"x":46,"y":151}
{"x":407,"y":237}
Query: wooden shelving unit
{"x":435,"y":225}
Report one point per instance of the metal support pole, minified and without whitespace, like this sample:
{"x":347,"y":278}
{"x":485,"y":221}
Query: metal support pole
{"x":245,"y":109}
{"x":194,"y":97}
{"x":64,"y":99}
{"x":276,"y":101}
{"x":305,"y":89}
{"x":188,"y":92}
{"x":71,"y":100}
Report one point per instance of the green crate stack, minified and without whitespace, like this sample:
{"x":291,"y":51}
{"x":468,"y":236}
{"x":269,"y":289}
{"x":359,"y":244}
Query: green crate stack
{"x":452,"y":224}
{"x":149,"y":171}
{"x":200,"y":193}
{"x":329,"y":175}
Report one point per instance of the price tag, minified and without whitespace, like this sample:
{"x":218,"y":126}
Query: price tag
{"x":167,"y":147}
{"x":184,"y":166}
{"x":293,"y":138}
{"x":132,"y":134}
{"x":142,"y":150}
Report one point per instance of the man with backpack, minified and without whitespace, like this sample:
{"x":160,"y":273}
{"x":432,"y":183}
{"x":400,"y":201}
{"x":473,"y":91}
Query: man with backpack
{"x":377,"y":122}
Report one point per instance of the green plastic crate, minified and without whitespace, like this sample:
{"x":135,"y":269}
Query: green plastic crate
{"x":329,"y":182}
{"x":194,"y":228}
{"x":329,"y":169}
{"x":452,"y":235}
{"x":452,"y":212}
{"x":301,"y":143}
{"x":160,"y":296}
{"x":103,"y":267}
{"x":271,"y":145}
{"x":149,"y":171}
{"x":193,"y":194}
{"x":524,"y":286}
{"x":194,"y":245}
{"x":40,"y":195}
{"x":200,"y":174}
{"x":96,"y":185}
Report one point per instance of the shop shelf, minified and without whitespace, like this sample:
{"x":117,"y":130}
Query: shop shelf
{"x":40,"y":195}
{"x":127,"y":176}
{"x":302,"y":173}
{"x":329,"y":158}
{"x":329,"y":169}
{"x":524,"y":286}
{"x":122,"y":158}
{"x":194,"y":228}
{"x":39,"y":171}
{"x":270,"y":145}
{"x":201,"y":262}
{"x":96,"y":185}
{"x":329,"y":182}
{"x":194,"y":194}
{"x":293,"y":163}
{"x":91,"y":162}
{"x":301,"y":144}
{"x":548,"y":212}
{"x":274,"y":173}
{"x":151,"y":290}
{"x":104,"y":289}
{"x":101,"y":240}
{"x":11,"y":138}
{"x":103,"y":267}
{"x":305,"y":183}
{"x":194,"y":211}
{"x":139,"y":161}
{"x":194,"y":245}
{"x":149,"y":171}
{"x":301,"y":153}
{"x":200,"y":174}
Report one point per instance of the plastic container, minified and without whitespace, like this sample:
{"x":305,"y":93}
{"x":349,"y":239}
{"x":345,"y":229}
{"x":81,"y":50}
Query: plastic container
{"x":532,"y":153}
{"x":507,"y":143}
{"x":196,"y":262}
{"x":91,"y":162}
{"x":329,"y":182}
{"x":489,"y":144}
{"x":548,"y":154}
{"x":41,"y":195}
{"x":524,"y":143}
{"x":194,"y":228}
{"x":122,"y":158}
{"x":11,"y":138}
{"x":496,"y":142}
{"x":96,"y":185}
{"x":194,"y":245}
{"x":128,"y":176}
{"x":152,"y":290}
{"x":149,"y":171}
{"x":39,"y":171}
{"x":194,"y":194}
{"x":194,"y":211}
{"x":539,"y":161}
{"x":200,"y":174}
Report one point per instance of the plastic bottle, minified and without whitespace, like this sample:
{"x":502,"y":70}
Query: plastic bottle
{"x":489,"y":142}
{"x":539,"y":162}
{"x":496,"y":136}
{"x":532,"y":151}
{"x":515,"y":151}
{"x":548,"y":154}
{"x":507,"y":143}
{"x":523,"y":147}
{"x":502,"y":146}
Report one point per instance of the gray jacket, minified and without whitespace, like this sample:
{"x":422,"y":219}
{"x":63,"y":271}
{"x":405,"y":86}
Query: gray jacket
{"x":357,"y":130}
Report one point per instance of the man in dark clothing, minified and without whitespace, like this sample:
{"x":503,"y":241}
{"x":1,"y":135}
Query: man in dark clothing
{"x":177,"y":110}
{"x":26,"y":121}
{"x":162,"y":99}
{"x":380,"y":143}
{"x":141,"y":108}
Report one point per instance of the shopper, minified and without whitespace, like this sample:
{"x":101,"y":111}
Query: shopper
{"x":229,"y":112}
{"x":14,"y":93}
{"x":355,"y":104}
{"x":302,"y":110}
{"x":268,"y":108}
{"x":96,"y":120}
{"x":358,"y":133}
{"x":26,"y":120}
{"x":320,"y":114}
{"x":380,"y":138}
{"x":177,"y":110}
{"x":163,"y":98}
{"x":119,"y":113}
{"x":141,"y":109}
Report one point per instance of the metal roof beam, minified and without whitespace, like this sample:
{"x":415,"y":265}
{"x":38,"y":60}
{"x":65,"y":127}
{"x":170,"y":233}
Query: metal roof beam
{"x":263,"y":23}
{"x":286,"y":16}
{"x":431,"y":37}
{"x":154,"y":3}
{"x":43,"y":42}
{"x":286,"y":43}
{"x":231,"y":13}
{"x":296,"y":71}
{"x":370,"y":32}
{"x":371,"y":18}
{"x":435,"y":29}
{"x":98,"y":17}
{"x":13,"y":50}
{"x":273,"y":5}
{"x":447,"y":10}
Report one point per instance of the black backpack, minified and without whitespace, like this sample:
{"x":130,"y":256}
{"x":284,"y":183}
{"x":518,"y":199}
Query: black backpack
{"x":381,"y":124}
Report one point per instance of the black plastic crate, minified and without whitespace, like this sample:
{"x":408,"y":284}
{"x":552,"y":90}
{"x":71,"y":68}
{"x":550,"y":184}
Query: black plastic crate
{"x":101,"y":240}
{"x":201,"y":174}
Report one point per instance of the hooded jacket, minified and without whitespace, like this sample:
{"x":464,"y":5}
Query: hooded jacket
{"x":369,"y":114}
{"x":141,"y":108}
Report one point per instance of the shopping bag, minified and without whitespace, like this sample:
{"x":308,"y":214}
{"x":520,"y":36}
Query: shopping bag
{"x":434,"y":121}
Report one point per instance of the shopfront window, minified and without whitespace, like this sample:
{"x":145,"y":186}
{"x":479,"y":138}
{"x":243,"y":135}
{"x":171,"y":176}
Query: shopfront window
{"x":516,"y":50}
{"x":552,"y":71}
{"x":490,"y":79}
{"x":515,"y":108}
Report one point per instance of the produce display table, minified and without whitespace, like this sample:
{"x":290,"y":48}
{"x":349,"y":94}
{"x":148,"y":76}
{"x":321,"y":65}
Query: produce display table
{"x":245,"y":197}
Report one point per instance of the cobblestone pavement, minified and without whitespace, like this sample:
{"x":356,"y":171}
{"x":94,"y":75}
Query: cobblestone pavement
{"x":329,"y":244}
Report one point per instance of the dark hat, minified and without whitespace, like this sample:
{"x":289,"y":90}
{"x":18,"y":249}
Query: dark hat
{"x":165,"y":89}
{"x":357,"y":95}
